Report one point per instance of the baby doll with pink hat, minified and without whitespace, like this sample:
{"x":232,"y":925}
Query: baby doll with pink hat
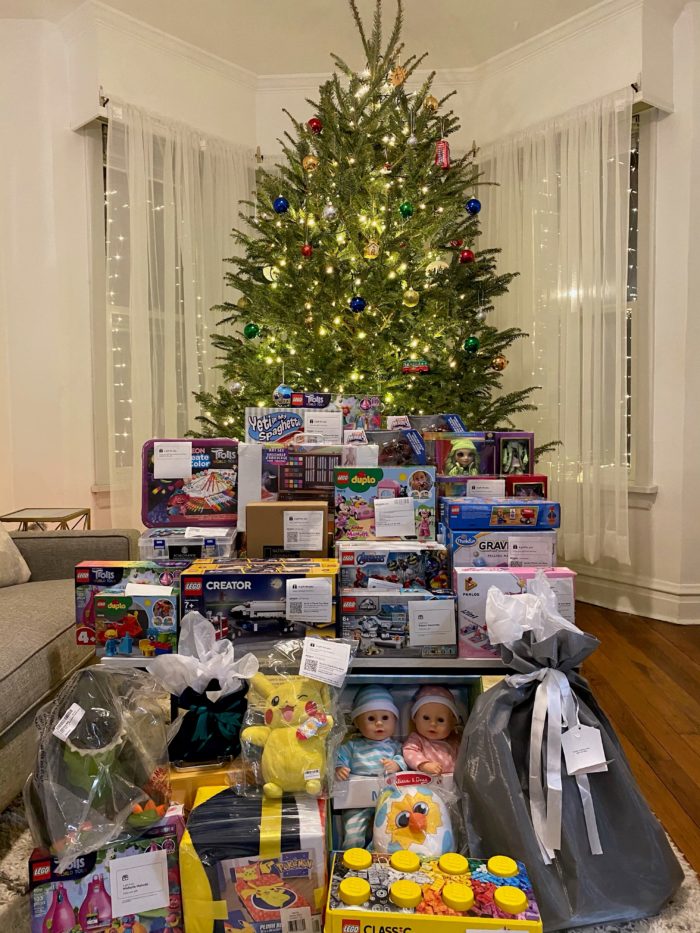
{"x":434,"y":744}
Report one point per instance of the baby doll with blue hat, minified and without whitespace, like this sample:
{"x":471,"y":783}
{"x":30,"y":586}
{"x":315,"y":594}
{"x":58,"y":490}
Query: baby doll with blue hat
{"x":374,"y":752}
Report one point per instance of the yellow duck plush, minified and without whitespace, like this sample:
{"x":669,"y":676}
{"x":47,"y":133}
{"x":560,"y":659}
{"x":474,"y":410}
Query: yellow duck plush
{"x":294,"y":736}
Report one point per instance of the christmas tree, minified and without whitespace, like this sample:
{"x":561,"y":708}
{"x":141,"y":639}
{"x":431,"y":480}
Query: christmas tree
{"x":359,"y":269}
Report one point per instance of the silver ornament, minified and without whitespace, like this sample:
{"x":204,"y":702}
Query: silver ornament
{"x":412,"y":140}
{"x":481,"y":315}
{"x":235,"y":388}
{"x":330,"y":212}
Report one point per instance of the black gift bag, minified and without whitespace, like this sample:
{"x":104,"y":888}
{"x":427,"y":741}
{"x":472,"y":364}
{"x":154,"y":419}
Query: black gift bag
{"x":210,"y":729}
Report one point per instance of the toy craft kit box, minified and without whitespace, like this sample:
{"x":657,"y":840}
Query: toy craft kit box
{"x":473,"y":514}
{"x":135,"y":626}
{"x":399,"y":623}
{"x":471,"y":586}
{"x":261,"y":601}
{"x":189,"y":482}
{"x":94,"y":576}
{"x":187,"y":543}
{"x":529,"y":486}
{"x":271,"y":472}
{"x":385,"y":502}
{"x":254,"y":864}
{"x":411,"y":564}
{"x":501,"y":548}
{"x":408,"y":893}
{"x":131,"y":885}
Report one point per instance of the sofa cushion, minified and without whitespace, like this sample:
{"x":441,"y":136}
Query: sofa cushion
{"x":13,"y":567}
{"x":37,"y":629}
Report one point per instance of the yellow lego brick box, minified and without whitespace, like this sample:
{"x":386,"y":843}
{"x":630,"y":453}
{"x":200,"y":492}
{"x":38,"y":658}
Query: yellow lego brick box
{"x":253,"y":864}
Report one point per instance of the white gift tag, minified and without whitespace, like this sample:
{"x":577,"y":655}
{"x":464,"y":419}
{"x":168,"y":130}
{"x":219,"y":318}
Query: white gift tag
{"x":328,"y":425}
{"x":529,"y":550}
{"x":172,"y":460}
{"x":66,"y":725}
{"x":139,"y":883}
{"x":191,"y":532}
{"x":486,"y":488}
{"x":296,"y":920}
{"x":310,"y":599}
{"x":374,"y":583}
{"x":432,"y":623}
{"x":147,"y":589}
{"x":394,"y":518}
{"x":303,"y":531}
{"x":325,"y":660}
{"x":583,"y":750}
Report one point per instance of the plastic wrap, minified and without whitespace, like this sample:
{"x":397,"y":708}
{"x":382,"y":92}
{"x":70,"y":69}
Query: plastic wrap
{"x":594,"y":851}
{"x":102,"y":762}
{"x":292,"y":722}
{"x":416,"y":813}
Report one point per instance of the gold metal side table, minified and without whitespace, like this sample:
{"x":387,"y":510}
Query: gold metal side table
{"x":63,"y":519}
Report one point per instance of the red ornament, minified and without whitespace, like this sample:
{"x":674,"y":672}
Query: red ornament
{"x":442,"y":153}
{"x":386,"y":168}
{"x":315,"y":125}
{"x":456,"y":244}
{"x":466,"y":256}
{"x":306,"y":250}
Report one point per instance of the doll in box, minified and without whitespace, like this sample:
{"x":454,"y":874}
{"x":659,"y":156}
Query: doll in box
{"x":433,"y":744}
{"x":374,"y":752}
{"x":463,"y":458}
{"x":515,"y":457}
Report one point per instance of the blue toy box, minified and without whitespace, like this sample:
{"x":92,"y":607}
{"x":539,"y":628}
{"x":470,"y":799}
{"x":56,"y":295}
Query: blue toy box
{"x":507,"y":548}
{"x":357,"y":489}
{"x":412,"y":564}
{"x":473,"y":514}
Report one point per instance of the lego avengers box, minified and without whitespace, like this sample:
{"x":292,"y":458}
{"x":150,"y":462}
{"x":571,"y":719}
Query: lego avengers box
{"x":473,"y":514}
{"x":258,"y":602}
{"x":408,"y":564}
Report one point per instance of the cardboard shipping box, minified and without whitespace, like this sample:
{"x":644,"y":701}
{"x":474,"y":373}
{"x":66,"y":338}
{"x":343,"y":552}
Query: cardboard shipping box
{"x":287,"y":529}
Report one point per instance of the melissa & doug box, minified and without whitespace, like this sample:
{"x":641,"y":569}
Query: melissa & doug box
{"x":135,"y":626}
{"x":358,"y":517}
{"x":471,"y":584}
{"x":473,"y":514}
{"x":206,"y":497}
{"x":107,"y":889}
{"x":501,"y":548}
{"x":411,"y":564}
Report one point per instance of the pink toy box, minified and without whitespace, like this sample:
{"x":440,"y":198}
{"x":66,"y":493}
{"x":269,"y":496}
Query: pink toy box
{"x":139,"y":873}
{"x":357,"y":489}
{"x":471,"y":584}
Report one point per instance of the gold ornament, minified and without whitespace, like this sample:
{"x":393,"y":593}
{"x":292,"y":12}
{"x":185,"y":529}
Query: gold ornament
{"x":499,"y":362}
{"x":397,"y":76}
{"x":372,"y":250}
{"x":242,"y":302}
{"x":411,"y":297}
{"x":309,"y":163}
{"x":431,"y":103}
{"x":436,"y":267}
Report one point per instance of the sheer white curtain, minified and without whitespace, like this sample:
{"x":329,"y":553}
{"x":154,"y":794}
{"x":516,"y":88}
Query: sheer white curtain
{"x":172,"y":199}
{"x":560,"y":215}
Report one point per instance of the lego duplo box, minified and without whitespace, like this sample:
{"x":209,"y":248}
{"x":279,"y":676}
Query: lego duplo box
{"x":399,"y":623}
{"x":94,"y":576}
{"x":135,"y":878}
{"x":135,"y":626}
{"x":501,"y":548}
{"x":410,"y":563}
{"x":260,"y":601}
{"x":471,"y":585}
{"x":474,"y":514}
{"x":385,"y":502}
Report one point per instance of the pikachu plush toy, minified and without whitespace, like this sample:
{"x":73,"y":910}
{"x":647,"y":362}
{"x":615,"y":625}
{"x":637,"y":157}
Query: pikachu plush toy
{"x":294,"y":737}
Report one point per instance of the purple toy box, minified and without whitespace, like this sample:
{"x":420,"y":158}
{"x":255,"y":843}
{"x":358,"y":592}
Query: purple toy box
{"x":208,"y":497}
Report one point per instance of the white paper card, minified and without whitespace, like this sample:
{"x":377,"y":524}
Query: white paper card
{"x":530,"y":550}
{"x":432,"y":623}
{"x":374,"y":583}
{"x":325,"y":660}
{"x":310,"y":599}
{"x":394,"y":422}
{"x":191,"y":532}
{"x":486,"y":488}
{"x":327,"y":424}
{"x":296,"y":920}
{"x":583,"y":750}
{"x":172,"y":460}
{"x":147,"y":589}
{"x":303,"y":530}
{"x":139,"y":883}
{"x":394,"y":518}
{"x":66,"y":725}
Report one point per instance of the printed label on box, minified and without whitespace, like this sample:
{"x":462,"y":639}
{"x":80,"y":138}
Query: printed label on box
{"x":310,"y":599}
{"x":431,"y":623}
{"x":139,"y":883}
{"x":172,"y":460}
{"x":531,"y":550}
{"x":327,"y":424}
{"x":303,"y":530}
{"x":394,"y":518}
{"x":327,"y":661}
{"x":68,"y":723}
{"x":485,"y":488}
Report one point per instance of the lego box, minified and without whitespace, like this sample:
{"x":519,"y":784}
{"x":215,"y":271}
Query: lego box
{"x":259,"y":601}
{"x":501,"y":548}
{"x":471,"y":584}
{"x":203,"y":494}
{"x":385,"y":502}
{"x":399,"y":624}
{"x":411,"y":564}
{"x":473,"y":514}
{"x":134,"y":884}
{"x":135,"y":626}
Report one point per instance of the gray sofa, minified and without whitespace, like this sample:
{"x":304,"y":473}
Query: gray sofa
{"x":38,"y":651}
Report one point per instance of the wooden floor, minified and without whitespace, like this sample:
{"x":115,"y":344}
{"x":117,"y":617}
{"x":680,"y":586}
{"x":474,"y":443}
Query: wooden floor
{"x":646,"y":677}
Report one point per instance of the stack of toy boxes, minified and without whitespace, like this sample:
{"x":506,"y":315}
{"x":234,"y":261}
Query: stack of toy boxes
{"x":502,"y":543}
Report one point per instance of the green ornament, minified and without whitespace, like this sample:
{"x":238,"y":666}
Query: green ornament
{"x":406,"y":209}
{"x":250,"y":331}
{"x":471,"y":344}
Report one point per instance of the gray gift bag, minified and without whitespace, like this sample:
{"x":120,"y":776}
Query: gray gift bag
{"x":517,"y":801}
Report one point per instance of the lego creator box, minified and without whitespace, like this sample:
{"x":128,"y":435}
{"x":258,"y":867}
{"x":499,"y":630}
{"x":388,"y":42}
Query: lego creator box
{"x":473,"y":514}
{"x":530,"y":486}
{"x":202,"y":494}
{"x":256,"y":601}
{"x":271,"y":472}
{"x":254,"y":864}
{"x":385,"y":502}
{"x":187,"y":543}
{"x":135,"y":626}
{"x":469,"y":454}
{"x":399,"y":624}
{"x":133,"y":884}
{"x":369,"y":563}
{"x":501,"y":548}
{"x":471,"y":584}
{"x":93,"y":576}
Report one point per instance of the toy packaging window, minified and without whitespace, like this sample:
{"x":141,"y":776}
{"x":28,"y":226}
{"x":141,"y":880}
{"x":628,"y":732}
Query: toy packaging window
{"x":356,"y":491}
{"x":187,"y":543}
{"x":470,"y":454}
{"x":423,"y":565}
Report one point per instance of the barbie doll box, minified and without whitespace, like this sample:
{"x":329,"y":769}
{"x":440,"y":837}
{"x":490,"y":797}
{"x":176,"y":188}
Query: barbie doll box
{"x":385,"y":502}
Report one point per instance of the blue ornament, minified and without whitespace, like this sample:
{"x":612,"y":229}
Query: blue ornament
{"x":473,"y":206}
{"x":282,"y":396}
{"x":281,"y":205}
{"x":357,"y":303}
